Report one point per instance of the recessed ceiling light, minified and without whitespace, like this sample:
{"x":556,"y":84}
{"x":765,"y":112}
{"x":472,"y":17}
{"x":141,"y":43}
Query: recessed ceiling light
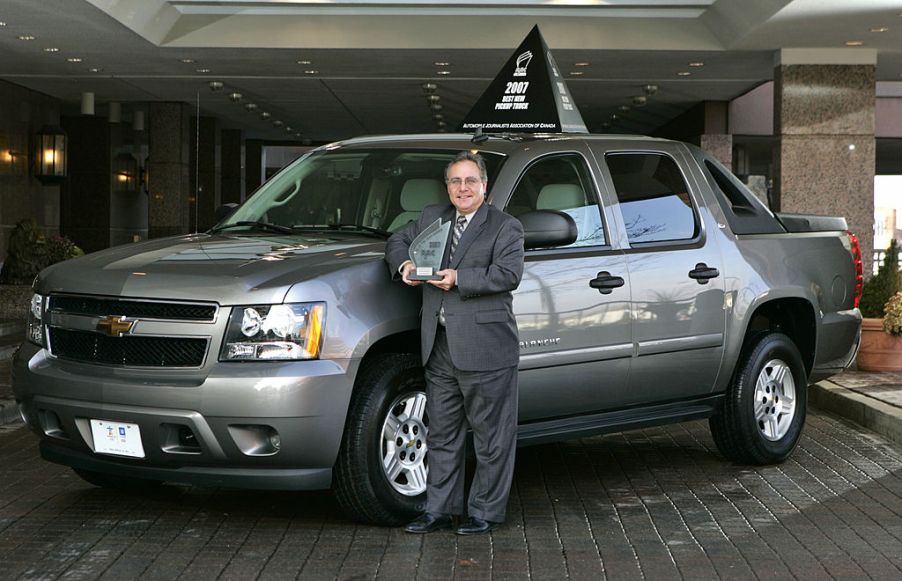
{"x":277,"y":123}
{"x":443,"y":72}
{"x":304,"y":62}
{"x":880,"y":29}
{"x":581,"y":64}
{"x":2,"y":24}
{"x":697,"y":64}
{"x":202,"y":70}
{"x":854,"y":42}
{"x":683,"y":73}
{"x":186,"y":61}
{"x":25,"y":37}
{"x":51,"y":49}
{"x":311,"y":72}
{"x":576,"y":73}
{"x":441,"y":63}
{"x":73,"y":59}
{"x":95,"y":69}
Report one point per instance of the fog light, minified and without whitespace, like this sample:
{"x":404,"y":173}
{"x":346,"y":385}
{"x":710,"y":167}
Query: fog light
{"x":256,"y":439}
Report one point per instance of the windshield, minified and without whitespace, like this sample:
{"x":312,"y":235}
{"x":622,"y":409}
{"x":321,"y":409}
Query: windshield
{"x":381,"y":189}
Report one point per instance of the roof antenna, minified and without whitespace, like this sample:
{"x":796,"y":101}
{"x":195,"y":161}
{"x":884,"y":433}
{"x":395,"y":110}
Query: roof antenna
{"x":479,"y":136}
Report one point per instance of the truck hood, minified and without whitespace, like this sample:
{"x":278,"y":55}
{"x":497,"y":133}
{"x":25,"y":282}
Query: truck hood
{"x":228,"y":269}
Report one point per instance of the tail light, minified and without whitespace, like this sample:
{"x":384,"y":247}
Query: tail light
{"x":859,"y":266}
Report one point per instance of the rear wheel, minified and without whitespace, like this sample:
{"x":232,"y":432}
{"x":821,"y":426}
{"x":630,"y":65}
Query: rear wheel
{"x":764,"y":409}
{"x":380,"y":474}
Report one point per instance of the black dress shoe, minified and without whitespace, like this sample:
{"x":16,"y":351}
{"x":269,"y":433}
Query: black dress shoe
{"x":428,"y":522}
{"x":476,"y":526}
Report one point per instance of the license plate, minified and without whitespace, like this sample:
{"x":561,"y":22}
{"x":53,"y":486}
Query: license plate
{"x":117,"y":438}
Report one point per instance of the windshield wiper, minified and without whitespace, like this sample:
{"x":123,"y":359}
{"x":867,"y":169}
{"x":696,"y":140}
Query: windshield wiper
{"x":360,"y":228}
{"x":257,"y":224}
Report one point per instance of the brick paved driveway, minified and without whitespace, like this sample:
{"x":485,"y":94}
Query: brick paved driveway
{"x":653,"y":504}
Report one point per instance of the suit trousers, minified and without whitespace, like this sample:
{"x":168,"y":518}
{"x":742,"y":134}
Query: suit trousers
{"x":487,"y":402}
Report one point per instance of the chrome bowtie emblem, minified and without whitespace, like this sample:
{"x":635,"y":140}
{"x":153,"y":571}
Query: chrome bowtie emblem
{"x":115,"y":326}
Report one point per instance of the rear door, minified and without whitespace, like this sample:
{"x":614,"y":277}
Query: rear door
{"x":575,"y":340}
{"x":677,"y":303}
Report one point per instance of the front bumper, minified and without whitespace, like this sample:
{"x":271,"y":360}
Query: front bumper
{"x":211,"y":427}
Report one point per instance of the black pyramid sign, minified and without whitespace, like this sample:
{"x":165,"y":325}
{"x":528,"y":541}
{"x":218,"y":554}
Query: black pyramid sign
{"x":528,"y":95}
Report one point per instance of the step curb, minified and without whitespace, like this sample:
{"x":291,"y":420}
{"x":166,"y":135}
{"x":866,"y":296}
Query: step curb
{"x":873,"y":414}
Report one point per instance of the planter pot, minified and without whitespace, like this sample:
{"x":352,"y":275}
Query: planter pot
{"x":879,"y":350}
{"x":14,"y":301}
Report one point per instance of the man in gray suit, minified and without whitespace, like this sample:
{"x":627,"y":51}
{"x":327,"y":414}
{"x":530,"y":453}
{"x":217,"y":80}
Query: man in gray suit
{"x":470,"y":350}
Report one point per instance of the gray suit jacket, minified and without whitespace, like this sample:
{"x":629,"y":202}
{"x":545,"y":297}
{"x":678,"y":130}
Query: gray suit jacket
{"x":480,"y":324}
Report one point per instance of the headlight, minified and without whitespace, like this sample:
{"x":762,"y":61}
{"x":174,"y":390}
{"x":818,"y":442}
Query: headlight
{"x":274,"y":332}
{"x":34,"y":330}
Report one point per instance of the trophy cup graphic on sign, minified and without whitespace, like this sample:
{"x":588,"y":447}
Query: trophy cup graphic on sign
{"x":522,"y":63}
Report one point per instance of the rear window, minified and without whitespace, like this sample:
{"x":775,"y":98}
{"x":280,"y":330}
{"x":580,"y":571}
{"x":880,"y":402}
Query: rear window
{"x":654,"y":198}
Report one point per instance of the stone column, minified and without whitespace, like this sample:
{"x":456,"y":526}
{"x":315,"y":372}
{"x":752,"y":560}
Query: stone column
{"x":203,"y":161}
{"x":85,"y":216}
{"x":715,"y":139}
{"x":167,"y":169}
{"x":824,"y":102}
{"x":232,"y":166}
{"x":253,"y":165}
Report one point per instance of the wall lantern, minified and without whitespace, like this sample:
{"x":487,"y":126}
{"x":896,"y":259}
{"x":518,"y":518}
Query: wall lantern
{"x":125,"y":173}
{"x":50,"y":155}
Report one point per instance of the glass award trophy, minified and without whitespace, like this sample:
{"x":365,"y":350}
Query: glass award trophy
{"x":427,"y":249}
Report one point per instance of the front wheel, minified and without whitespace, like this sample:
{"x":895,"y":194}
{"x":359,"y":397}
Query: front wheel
{"x":764,"y":410}
{"x":380,"y":474}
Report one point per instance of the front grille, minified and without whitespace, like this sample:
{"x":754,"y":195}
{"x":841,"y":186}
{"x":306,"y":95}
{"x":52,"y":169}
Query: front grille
{"x":102,"y":307}
{"x":129,"y":350}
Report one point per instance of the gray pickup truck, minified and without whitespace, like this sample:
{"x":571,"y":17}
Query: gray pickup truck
{"x":274,"y":352}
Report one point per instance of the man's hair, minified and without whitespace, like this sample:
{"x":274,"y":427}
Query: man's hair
{"x":469,"y":156}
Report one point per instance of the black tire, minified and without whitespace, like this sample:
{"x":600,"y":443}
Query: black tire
{"x":123,"y":483}
{"x":756,"y":426}
{"x":362,"y":487}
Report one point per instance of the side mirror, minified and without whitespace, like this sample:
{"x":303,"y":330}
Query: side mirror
{"x":224,"y":211}
{"x":547,"y":228}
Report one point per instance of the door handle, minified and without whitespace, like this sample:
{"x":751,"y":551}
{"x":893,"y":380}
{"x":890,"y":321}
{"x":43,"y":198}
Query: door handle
{"x":703,"y":273}
{"x":605,"y":282}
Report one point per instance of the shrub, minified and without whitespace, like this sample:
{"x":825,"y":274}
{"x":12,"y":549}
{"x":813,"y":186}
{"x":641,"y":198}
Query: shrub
{"x":880,"y":287}
{"x":892,"y":320}
{"x":29,"y":252}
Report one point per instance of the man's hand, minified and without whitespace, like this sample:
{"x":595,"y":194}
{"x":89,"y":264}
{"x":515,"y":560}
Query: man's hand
{"x":448,"y":280}
{"x":407,"y":269}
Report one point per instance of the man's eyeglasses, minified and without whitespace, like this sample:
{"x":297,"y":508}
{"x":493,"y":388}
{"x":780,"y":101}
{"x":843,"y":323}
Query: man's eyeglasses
{"x":457,"y":182}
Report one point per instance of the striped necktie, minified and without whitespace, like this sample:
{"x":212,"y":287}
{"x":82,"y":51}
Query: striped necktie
{"x":455,"y":236}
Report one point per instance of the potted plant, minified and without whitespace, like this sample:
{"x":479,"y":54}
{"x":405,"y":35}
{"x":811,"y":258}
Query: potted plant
{"x":28,"y":252}
{"x":880,"y":349}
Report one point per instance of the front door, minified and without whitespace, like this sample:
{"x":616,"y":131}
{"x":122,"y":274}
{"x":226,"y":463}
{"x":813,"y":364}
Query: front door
{"x":575,"y":340}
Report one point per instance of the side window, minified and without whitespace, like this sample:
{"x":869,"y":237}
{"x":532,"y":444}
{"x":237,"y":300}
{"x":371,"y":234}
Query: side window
{"x":654,"y":198}
{"x":561,"y":183}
